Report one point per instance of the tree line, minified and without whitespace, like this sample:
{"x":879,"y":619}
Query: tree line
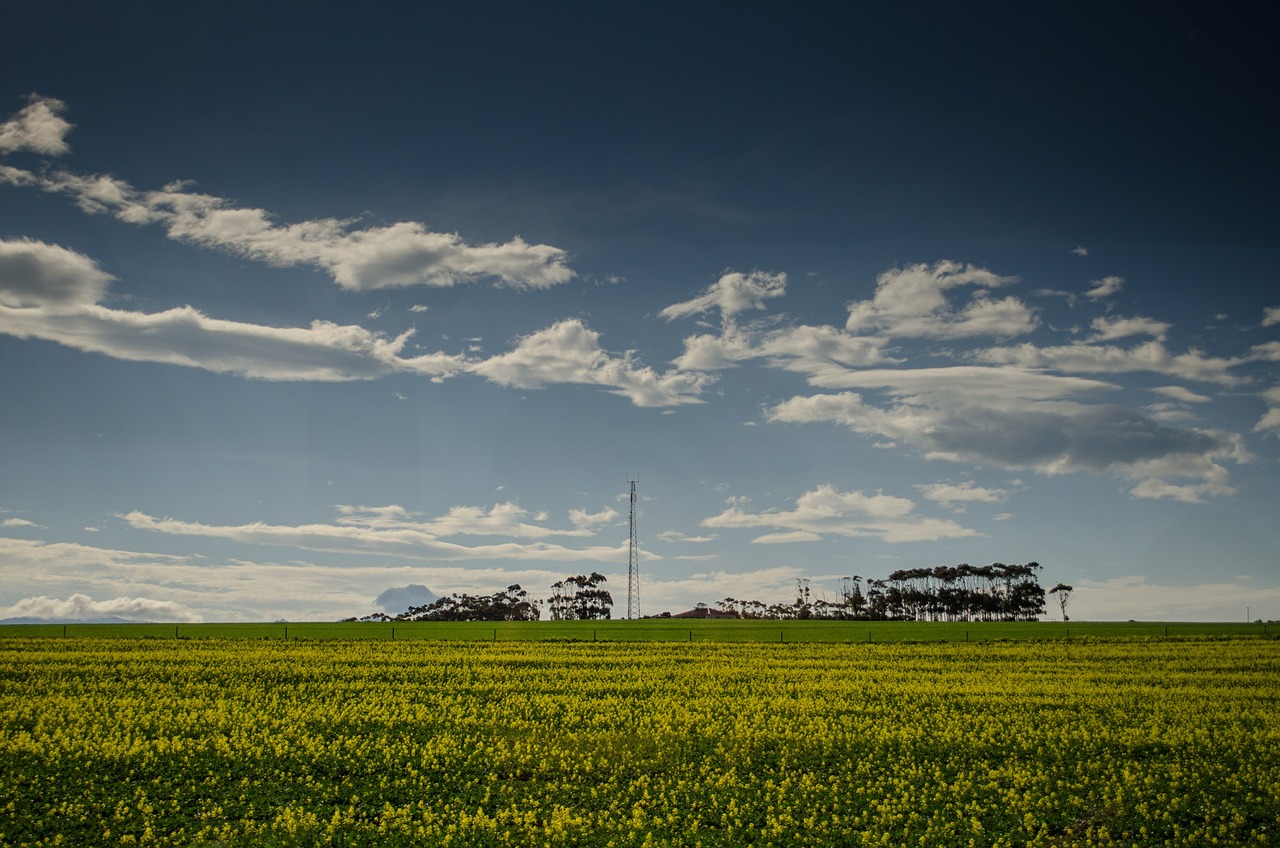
{"x":576,"y":598}
{"x":996,"y":592}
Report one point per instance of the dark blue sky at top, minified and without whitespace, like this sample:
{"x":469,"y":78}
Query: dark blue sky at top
{"x":1044,"y":121}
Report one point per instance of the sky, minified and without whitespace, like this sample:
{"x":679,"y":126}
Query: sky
{"x":302,"y":305}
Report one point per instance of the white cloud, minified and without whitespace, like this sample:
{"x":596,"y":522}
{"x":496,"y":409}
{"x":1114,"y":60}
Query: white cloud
{"x":1181,"y":393}
{"x":239,"y":590}
{"x":405,"y":253}
{"x":33,"y":273}
{"x":394,"y":531}
{"x":786,"y":538}
{"x":1270,"y":421}
{"x":1080,"y":251}
{"x":185,"y":336}
{"x":677,"y":536}
{"x":1271,"y":316}
{"x":828,"y":511}
{"x":1019,"y":420}
{"x":570,"y":352}
{"x":1106,"y":329}
{"x":957,"y":495}
{"x":38,"y":127}
{"x":80,"y":607}
{"x":586,"y":521}
{"x":48,"y":292}
{"x":1152,"y":356}
{"x":1105,"y":287}
{"x":18,"y":522}
{"x":913,"y":302}
{"x":734,"y":292}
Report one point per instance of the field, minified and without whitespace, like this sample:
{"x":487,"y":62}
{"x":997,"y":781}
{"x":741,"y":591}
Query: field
{"x":664,"y":630}
{"x":561,"y":741}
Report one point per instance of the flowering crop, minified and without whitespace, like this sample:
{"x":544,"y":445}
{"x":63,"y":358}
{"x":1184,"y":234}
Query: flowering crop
{"x":631,"y":744}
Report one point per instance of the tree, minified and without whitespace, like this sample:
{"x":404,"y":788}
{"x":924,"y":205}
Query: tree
{"x":1063,"y":591}
{"x":580,"y":598}
{"x":513,"y":604}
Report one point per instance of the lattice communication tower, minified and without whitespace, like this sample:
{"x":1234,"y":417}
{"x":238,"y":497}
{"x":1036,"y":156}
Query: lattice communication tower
{"x":633,"y":563}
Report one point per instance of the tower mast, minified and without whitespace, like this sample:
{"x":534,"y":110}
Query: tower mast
{"x":633,"y":563}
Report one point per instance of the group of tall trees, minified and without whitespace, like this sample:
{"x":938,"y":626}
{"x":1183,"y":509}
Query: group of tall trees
{"x":573,"y":598}
{"x":996,"y":592}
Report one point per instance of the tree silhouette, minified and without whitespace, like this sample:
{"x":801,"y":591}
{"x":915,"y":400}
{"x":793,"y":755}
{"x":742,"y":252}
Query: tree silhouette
{"x":1063,"y":591}
{"x":580,"y":598}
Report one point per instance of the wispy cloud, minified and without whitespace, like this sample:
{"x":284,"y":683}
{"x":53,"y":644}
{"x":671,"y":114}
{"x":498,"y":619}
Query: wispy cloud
{"x":958,"y":495}
{"x":405,"y":253}
{"x":394,"y":531}
{"x":49,"y":292}
{"x":1105,"y":287}
{"x":1152,"y":357}
{"x":827,"y":511}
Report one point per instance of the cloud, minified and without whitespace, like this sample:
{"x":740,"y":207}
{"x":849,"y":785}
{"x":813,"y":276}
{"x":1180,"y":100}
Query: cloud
{"x":1106,"y":329}
{"x":1020,"y":420}
{"x":768,"y":585}
{"x":33,"y":274}
{"x":677,"y":536}
{"x":958,"y":495}
{"x":402,"y":254}
{"x":80,"y":607}
{"x":734,"y":292}
{"x":38,"y":127}
{"x":400,"y":598}
{"x":405,"y":253}
{"x":394,"y":531}
{"x":48,"y":292}
{"x":239,"y":590}
{"x":827,"y":511}
{"x":1271,"y":316}
{"x":19,"y":522}
{"x":1080,"y":251}
{"x":1137,"y":597}
{"x":585,"y":521}
{"x":1152,"y":356}
{"x":1105,"y":287}
{"x":1182,"y":394}
{"x":786,"y":538}
{"x":1270,"y":421}
{"x":912,"y":302}
{"x":570,"y":352}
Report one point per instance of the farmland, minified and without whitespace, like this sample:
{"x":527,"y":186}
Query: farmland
{"x":658,"y":741}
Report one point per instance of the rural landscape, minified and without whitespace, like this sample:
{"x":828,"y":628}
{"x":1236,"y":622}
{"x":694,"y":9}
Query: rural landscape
{"x":661,"y":425}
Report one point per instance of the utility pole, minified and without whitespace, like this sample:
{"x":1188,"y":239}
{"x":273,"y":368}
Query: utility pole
{"x":633,"y":562}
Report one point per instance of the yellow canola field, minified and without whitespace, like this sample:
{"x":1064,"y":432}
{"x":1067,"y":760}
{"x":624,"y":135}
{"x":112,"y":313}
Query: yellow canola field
{"x":614,"y":744}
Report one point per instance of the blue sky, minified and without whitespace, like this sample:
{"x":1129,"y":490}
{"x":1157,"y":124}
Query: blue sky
{"x":298,"y":308}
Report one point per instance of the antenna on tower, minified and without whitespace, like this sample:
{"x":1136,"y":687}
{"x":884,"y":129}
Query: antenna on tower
{"x":633,"y":562}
